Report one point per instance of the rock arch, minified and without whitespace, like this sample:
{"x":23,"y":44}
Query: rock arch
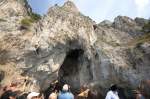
{"x":69,"y":71}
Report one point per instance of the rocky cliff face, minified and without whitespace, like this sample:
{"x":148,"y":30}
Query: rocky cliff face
{"x":70,"y":47}
{"x":11,"y":8}
{"x":11,"y":14}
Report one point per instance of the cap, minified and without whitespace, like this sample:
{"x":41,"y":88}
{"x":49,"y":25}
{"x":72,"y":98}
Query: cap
{"x":32,"y":94}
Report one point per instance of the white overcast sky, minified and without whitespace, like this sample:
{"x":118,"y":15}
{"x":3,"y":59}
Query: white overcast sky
{"x":100,"y":10}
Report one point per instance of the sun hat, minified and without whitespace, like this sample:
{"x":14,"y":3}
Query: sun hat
{"x":32,"y":94}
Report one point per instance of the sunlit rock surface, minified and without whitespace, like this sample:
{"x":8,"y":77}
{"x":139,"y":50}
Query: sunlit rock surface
{"x":70,"y":47}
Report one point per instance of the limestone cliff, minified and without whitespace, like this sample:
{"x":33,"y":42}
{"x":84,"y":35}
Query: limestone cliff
{"x":70,"y":47}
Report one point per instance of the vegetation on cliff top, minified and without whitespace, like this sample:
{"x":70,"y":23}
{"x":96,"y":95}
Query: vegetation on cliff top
{"x":146,"y":36}
{"x":146,"y":27}
{"x":27,"y":22}
{"x":143,"y":38}
{"x":35,"y":17}
{"x":139,"y":40}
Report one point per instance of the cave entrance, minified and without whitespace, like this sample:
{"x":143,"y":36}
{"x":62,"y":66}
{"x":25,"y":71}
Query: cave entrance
{"x":69,"y":71}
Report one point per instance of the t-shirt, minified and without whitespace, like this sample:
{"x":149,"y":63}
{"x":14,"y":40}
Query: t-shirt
{"x":112,"y":95}
{"x":65,"y":95}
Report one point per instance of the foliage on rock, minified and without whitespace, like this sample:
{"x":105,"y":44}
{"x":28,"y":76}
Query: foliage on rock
{"x":35,"y":17}
{"x":27,"y":22}
{"x":139,"y":40}
{"x":146,"y":27}
{"x":2,"y":20}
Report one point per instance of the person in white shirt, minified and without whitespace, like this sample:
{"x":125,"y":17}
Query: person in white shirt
{"x":112,"y":93}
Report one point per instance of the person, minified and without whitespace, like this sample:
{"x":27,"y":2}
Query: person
{"x":23,"y":96}
{"x":53,"y":95}
{"x":33,"y":95}
{"x":144,"y":88}
{"x":139,"y":95}
{"x":9,"y":95}
{"x":112,"y":93}
{"x":65,"y":93}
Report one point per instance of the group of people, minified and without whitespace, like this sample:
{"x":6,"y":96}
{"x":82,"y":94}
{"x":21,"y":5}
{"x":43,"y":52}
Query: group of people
{"x":113,"y":93}
{"x":11,"y":93}
{"x":63,"y":93}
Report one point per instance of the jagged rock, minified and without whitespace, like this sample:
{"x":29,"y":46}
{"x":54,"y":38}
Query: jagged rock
{"x":70,"y":47}
{"x":11,"y":8}
{"x":11,"y":14}
{"x":128,"y":25}
{"x":141,"y":21}
{"x":105,"y":23}
{"x":70,"y":6}
{"x":69,"y":34}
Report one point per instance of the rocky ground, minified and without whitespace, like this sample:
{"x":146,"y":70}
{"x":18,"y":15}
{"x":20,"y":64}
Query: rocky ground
{"x":70,"y":47}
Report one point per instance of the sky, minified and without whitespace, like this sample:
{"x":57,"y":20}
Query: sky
{"x":99,"y":10}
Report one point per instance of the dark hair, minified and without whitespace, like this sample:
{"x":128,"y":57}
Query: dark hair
{"x":7,"y":94}
{"x":114,"y":87}
{"x":23,"y":96}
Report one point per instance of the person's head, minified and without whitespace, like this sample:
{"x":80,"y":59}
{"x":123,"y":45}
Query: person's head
{"x":13,"y":95}
{"x":136,"y":92}
{"x":41,"y":95}
{"x":9,"y":95}
{"x":114,"y":87}
{"x":53,"y":96}
{"x":65,"y":87}
{"x":23,"y":96}
{"x":33,"y":95}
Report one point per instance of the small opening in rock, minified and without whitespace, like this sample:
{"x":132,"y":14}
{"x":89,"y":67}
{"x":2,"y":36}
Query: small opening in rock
{"x":69,"y":71}
{"x":23,"y":28}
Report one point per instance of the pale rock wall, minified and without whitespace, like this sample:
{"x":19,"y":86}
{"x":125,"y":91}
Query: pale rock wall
{"x":41,"y":53}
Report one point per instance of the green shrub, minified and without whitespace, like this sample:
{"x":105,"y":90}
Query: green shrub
{"x":26,"y":22}
{"x":146,"y":27}
{"x":35,"y":17}
{"x":2,"y":20}
{"x":139,"y":40}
